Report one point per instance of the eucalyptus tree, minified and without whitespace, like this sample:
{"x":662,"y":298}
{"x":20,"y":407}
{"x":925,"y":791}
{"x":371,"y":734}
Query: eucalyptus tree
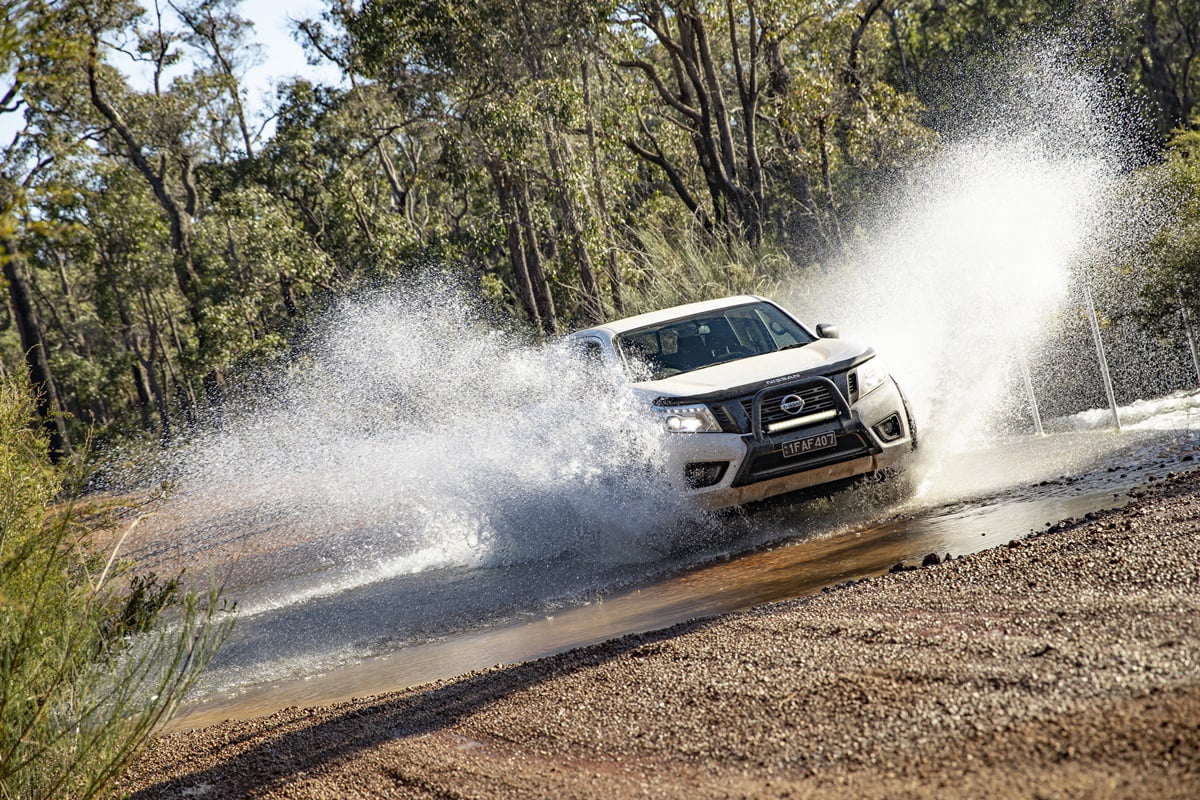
{"x":99,"y":259}
{"x":25,"y":35}
{"x":772,"y":99}
{"x":171,"y":131}
{"x":151,"y":129}
{"x":354,"y":167}
{"x":368,"y":165}
{"x":1154,"y":45}
{"x":934,"y":40}
{"x":237,"y":264}
{"x":1167,"y":58}
{"x":63,"y":271}
{"x":1174,"y":253}
{"x":505,"y":79}
{"x":672,"y":45}
{"x":214,"y":28}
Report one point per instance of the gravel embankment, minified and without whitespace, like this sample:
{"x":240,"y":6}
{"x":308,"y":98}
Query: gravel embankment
{"x":1064,"y":665}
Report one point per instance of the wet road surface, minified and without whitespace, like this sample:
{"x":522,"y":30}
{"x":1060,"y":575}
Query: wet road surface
{"x":445,"y":623}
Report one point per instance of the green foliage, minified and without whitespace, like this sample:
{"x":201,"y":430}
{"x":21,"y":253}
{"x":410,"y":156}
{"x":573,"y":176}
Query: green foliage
{"x":573,"y":158}
{"x":86,"y":670}
{"x":141,"y":608}
{"x":932,"y":35}
{"x":1174,"y":258}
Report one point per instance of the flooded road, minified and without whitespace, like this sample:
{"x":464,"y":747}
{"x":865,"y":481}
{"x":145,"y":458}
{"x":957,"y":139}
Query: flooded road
{"x":413,"y":628}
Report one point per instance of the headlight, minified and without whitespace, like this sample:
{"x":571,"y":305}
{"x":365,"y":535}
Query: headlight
{"x":690,"y":419}
{"x":871,"y":375}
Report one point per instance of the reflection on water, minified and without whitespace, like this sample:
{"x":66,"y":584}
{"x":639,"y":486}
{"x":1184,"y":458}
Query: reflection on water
{"x":785,"y":570}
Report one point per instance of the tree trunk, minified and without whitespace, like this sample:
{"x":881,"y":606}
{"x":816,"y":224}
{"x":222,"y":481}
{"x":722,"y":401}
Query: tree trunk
{"x":503,"y":182}
{"x":184,"y":267}
{"x":827,"y":181}
{"x":533,"y":259}
{"x":612,"y":268}
{"x":1157,"y":66}
{"x":141,"y":384}
{"x":287,"y":290}
{"x":698,"y":105}
{"x":157,"y":355}
{"x":149,"y":395}
{"x":33,"y":343}
{"x":592,"y":309}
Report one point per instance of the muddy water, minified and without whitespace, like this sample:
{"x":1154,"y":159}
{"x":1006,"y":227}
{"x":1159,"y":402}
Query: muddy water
{"x":787,"y":570}
{"x":439,"y":623}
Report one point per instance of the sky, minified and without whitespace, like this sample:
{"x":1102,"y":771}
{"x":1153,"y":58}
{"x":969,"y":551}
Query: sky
{"x":282,"y":56}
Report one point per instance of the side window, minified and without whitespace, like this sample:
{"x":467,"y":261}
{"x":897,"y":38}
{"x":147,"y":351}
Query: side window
{"x":782,"y":336}
{"x":592,"y":352}
{"x":642,"y":346}
{"x":641,"y":353}
{"x":589,"y":350}
{"x":782,"y":328}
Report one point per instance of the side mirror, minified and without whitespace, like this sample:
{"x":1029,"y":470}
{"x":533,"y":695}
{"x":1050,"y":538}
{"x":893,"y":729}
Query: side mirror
{"x":826,"y":331}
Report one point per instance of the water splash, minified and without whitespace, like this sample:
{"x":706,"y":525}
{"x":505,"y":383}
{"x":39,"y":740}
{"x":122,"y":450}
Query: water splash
{"x":971,"y":256}
{"x":415,"y":434}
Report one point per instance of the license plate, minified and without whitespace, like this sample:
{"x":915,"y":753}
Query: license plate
{"x":803,"y":446}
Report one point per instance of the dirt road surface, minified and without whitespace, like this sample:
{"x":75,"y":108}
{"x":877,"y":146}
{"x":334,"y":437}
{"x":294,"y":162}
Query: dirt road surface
{"x":1063,"y":665}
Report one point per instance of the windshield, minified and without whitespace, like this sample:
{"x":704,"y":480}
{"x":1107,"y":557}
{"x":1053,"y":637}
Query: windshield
{"x":702,"y":340}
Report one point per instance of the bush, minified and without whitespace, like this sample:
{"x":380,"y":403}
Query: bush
{"x":87,"y":670}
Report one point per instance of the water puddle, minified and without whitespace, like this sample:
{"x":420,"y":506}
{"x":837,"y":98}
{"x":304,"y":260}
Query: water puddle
{"x":412,"y":628}
{"x":775,"y":573}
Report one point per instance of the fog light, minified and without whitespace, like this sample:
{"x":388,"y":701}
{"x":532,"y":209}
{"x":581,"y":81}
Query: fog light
{"x":890,"y":429}
{"x":699,"y":474}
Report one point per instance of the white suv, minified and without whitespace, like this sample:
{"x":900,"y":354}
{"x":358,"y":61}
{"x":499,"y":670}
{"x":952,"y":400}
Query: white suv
{"x":760,"y":405}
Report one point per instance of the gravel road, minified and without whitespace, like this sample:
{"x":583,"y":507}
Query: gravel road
{"x":1063,"y":665}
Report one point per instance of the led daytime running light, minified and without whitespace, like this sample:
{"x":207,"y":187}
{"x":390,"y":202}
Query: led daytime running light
{"x":800,"y":422}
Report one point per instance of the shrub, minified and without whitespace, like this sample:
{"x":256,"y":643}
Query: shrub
{"x":87,"y":667}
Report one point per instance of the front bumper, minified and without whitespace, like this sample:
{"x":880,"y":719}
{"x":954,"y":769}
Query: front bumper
{"x":868,"y":435}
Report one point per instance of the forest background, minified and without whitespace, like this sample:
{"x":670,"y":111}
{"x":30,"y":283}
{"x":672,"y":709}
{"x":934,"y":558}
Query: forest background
{"x":570,"y":160}
{"x":163,"y":240}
